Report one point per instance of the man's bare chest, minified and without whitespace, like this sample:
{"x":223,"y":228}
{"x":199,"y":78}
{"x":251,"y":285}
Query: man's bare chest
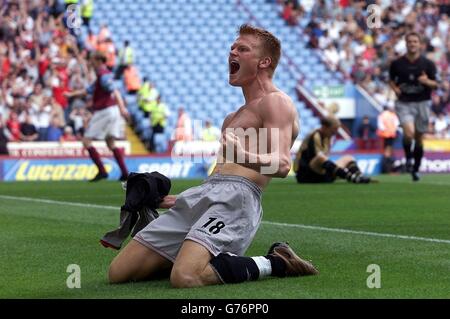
{"x":245,"y":119}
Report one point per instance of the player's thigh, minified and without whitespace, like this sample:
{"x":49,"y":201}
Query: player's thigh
{"x":96,"y":126}
{"x":409,"y":130}
{"x":406,"y":113}
{"x":136,"y":262}
{"x":422,"y":118}
{"x":115,"y":124}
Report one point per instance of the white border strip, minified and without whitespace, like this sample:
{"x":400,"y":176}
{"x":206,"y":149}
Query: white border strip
{"x":336,"y":230}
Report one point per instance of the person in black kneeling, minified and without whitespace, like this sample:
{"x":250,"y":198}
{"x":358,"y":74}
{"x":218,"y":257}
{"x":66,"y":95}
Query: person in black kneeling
{"x":312,"y":163}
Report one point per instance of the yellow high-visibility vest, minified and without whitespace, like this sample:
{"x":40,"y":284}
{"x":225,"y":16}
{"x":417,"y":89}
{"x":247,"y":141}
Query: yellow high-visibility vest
{"x":209,"y":135}
{"x":147,"y":97}
{"x":148,"y":106}
{"x":87,"y":9}
{"x":143,"y":93}
{"x":126,"y":56}
{"x":70,"y":2}
{"x":158,"y":114}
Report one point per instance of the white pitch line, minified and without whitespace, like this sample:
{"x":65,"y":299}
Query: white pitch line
{"x":336,"y":230}
{"x":359,"y":232}
{"x":49,"y":201}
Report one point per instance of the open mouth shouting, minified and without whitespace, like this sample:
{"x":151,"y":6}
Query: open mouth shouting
{"x":234,"y":66}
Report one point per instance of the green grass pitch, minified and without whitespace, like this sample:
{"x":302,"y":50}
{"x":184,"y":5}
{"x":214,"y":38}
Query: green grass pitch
{"x":402,"y":227}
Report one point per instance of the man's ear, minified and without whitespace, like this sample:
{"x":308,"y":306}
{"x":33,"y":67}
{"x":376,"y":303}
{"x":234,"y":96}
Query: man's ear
{"x":265,"y":63}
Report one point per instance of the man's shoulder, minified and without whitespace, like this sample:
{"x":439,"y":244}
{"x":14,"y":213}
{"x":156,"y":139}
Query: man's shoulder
{"x":398,"y":60}
{"x":276,"y":100}
{"x":277,"y":95}
{"x":426,"y":60}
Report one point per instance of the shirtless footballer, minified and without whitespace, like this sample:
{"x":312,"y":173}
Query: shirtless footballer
{"x":202,"y":238}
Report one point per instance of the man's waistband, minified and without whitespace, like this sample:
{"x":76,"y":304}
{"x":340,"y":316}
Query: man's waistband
{"x":238,"y":179}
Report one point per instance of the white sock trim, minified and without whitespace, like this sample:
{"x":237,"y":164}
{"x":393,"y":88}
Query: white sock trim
{"x":264,"y":266}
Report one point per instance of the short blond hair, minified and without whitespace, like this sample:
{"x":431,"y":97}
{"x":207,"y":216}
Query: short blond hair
{"x":270,"y":43}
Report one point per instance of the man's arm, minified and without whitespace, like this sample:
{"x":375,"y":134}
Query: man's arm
{"x":392,"y":76}
{"x":321,"y":152}
{"x":76,"y":93}
{"x":121,"y":103}
{"x":168,"y":201}
{"x":395,"y":88}
{"x":278,"y":115}
{"x":107,"y":83}
{"x":429,"y":78}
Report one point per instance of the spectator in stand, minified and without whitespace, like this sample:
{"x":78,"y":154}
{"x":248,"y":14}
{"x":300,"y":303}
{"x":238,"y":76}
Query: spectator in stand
{"x":446,"y":101}
{"x":77,"y":82}
{"x":28,"y":131}
{"x":37,"y":98}
{"x":332,"y":56}
{"x":60,"y":85}
{"x":13,"y":125}
{"x":313,"y":32}
{"x":183,"y":129}
{"x":437,"y":105}
{"x":210,"y":133}
{"x":77,"y":119}
{"x":131,"y":79}
{"x":91,"y":43}
{"x":288,"y":13}
{"x":87,"y":11}
{"x":387,"y":125}
{"x":359,"y":70}
{"x":54,"y":131}
{"x":68,"y":135}
{"x":104,"y":33}
{"x":4,"y":137}
{"x":440,"y":126}
{"x":43,"y":118}
{"x":147,"y":96}
{"x":366,"y":134}
{"x":368,"y":84}
{"x":126,"y":58}
{"x":380,"y":96}
{"x":158,"y":117}
{"x":57,"y":110}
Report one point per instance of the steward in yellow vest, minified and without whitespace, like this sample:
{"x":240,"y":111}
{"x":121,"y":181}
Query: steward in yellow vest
{"x":87,"y":11}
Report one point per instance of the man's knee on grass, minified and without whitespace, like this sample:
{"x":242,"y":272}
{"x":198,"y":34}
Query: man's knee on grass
{"x":183,"y":277}
{"x":116,"y":275}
